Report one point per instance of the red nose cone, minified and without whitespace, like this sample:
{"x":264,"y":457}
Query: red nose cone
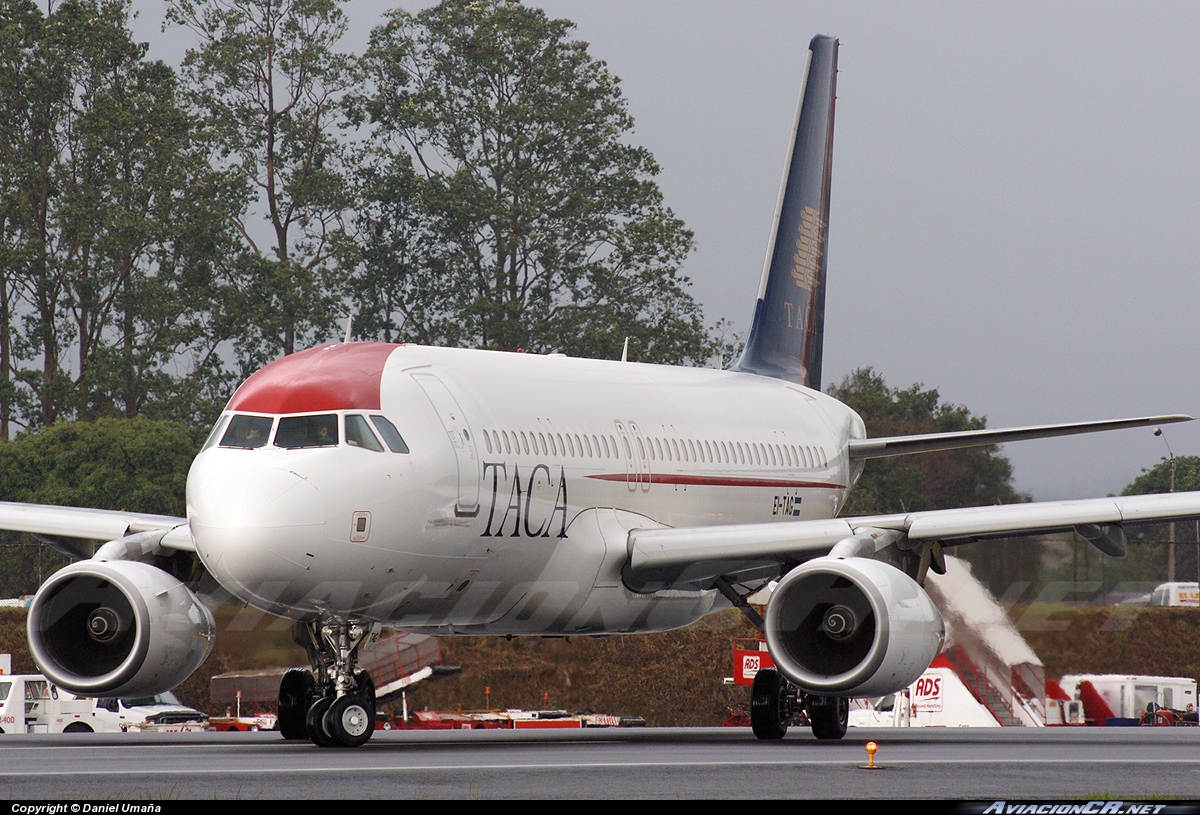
{"x":333,"y":377}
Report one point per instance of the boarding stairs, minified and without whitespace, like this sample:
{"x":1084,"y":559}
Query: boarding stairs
{"x":986,"y":651}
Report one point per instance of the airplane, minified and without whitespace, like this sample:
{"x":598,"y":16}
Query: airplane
{"x":460,"y":492}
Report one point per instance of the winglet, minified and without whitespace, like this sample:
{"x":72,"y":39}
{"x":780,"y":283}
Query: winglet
{"x":786,"y":336}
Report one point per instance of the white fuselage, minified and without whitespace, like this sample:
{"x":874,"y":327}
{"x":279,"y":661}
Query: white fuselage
{"x":524,"y":473}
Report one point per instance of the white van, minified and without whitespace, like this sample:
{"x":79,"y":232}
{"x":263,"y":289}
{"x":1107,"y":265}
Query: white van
{"x":1176,"y":594}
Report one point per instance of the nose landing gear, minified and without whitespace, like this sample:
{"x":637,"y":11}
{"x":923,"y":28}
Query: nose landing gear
{"x":333,"y":705}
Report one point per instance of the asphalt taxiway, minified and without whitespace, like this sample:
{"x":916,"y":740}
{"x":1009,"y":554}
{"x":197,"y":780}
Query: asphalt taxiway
{"x":1012,"y":763}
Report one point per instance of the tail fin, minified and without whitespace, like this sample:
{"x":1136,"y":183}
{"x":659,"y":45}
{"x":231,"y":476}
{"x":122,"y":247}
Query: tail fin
{"x":786,"y":337}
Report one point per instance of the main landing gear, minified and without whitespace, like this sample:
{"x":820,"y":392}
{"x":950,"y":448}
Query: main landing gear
{"x":774,"y":702}
{"x":333,"y":704}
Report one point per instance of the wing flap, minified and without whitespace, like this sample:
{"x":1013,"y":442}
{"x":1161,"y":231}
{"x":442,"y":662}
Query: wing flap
{"x":1160,"y":508}
{"x":665,"y":557}
{"x":1025,"y":519}
{"x":662,"y":558}
{"x":650,"y":549}
{"x":1009,"y":518}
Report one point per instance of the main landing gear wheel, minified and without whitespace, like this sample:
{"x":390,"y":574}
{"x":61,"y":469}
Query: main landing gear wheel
{"x":315,"y":723}
{"x":296,"y":691}
{"x":349,"y":721}
{"x":829,"y":715}
{"x":770,"y":708}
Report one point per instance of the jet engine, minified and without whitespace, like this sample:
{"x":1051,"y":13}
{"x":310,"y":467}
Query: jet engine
{"x":118,"y":628}
{"x":851,"y":627}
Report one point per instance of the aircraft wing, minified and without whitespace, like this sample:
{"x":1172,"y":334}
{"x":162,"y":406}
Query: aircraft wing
{"x":927,"y":442}
{"x":660,"y":558}
{"x":52,"y":524}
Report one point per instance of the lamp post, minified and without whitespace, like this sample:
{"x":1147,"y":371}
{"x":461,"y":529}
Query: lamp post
{"x":1171,"y":537}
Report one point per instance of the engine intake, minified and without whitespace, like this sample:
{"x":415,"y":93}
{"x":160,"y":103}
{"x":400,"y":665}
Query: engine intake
{"x":852,"y":627}
{"x":118,"y":628}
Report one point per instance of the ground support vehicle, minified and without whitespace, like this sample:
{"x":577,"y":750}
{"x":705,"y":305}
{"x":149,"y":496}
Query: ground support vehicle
{"x":1123,"y":700}
{"x":1176,"y":594}
{"x":30,"y":703}
{"x":243,"y":724}
{"x":503,"y":720}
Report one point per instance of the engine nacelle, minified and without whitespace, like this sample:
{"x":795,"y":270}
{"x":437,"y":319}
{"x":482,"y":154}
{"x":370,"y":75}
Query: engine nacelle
{"x":852,"y":627}
{"x":118,"y":628}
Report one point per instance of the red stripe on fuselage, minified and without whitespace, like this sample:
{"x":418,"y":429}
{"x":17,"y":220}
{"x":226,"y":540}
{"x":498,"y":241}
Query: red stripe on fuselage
{"x":719,"y":481}
{"x":333,"y":377}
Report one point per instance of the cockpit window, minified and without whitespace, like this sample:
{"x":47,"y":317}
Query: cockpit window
{"x":358,"y":434}
{"x":307,"y":431}
{"x":247,"y":432}
{"x":217,"y":430}
{"x":390,"y":434}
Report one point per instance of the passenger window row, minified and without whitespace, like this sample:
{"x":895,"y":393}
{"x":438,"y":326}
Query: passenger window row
{"x":655,"y":448}
{"x":510,"y":442}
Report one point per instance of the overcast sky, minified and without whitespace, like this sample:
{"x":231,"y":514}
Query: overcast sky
{"x":1016,"y":194}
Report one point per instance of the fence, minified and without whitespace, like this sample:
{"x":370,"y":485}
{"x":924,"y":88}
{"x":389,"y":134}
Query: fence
{"x":25,"y":566}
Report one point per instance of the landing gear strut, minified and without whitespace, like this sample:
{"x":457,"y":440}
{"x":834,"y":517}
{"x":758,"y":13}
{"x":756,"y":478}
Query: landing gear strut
{"x":774,"y":701}
{"x":333,"y":704}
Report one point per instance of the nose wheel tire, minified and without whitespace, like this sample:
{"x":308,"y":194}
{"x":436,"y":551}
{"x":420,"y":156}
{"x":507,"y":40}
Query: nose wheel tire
{"x":770,"y":708}
{"x":315,"y":723}
{"x":350,"y":721}
{"x":829,"y":715}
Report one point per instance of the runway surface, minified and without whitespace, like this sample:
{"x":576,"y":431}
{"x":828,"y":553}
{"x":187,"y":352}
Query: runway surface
{"x":1011,"y":764}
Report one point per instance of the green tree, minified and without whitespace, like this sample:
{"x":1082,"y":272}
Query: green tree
{"x":1158,"y":478}
{"x":504,"y":205}
{"x":137,"y":465}
{"x":975,"y":476}
{"x":20,"y":34}
{"x":1148,"y":545}
{"x":267,"y":80}
{"x":112,"y":250}
{"x":956,"y":478}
